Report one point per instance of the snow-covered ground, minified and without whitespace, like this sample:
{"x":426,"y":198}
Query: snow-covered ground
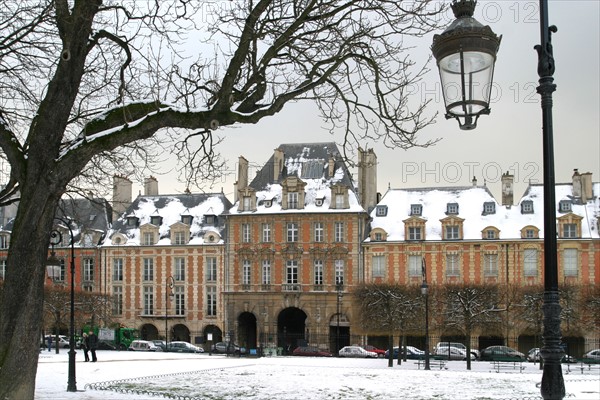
{"x":191,"y":376}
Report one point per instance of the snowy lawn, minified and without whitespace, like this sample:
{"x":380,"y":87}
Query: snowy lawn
{"x":129,"y":375}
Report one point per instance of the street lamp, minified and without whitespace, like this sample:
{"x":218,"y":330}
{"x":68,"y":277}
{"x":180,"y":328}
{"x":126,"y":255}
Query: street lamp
{"x":466,"y":40}
{"x":339,"y":287}
{"x":56,"y":238}
{"x":168,"y":293}
{"x":425,"y":293}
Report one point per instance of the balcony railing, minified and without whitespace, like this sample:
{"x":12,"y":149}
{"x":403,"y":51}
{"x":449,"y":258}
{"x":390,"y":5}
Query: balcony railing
{"x":290,"y":287}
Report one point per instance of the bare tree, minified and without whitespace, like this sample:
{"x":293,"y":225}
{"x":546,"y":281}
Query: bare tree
{"x":90,"y":86}
{"x":590,"y":308}
{"x":56,"y":307}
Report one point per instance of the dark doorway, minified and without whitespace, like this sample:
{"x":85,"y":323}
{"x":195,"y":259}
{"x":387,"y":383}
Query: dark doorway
{"x":339,"y":333}
{"x":149,"y":332}
{"x":180,"y":332}
{"x":291,"y":326}
{"x":247,"y":330}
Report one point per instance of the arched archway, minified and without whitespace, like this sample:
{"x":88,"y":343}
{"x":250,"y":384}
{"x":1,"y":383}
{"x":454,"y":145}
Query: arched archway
{"x":215,"y":331}
{"x":339,"y":332}
{"x":247,"y":330}
{"x":180,"y":332}
{"x":149,"y":332}
{"x":291,"y":327}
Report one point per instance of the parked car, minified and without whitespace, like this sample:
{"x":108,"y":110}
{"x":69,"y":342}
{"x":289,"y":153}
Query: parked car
{"x":356,"y":352}
{"x":534,"y":355}
{"x":228,"y":348}
{"x":501,"y":353}
{"x":439,"y":348}
{"x":142,"y":345}
{"x":592,"y":354}
{"x":63,"y":341}
{"x":380,"y":352}
{"x":311,"y":351}
{"x":183,"y":347}
{"x":412,"y":353}
{"x":452,"y":353}
{"x":160,"y":344}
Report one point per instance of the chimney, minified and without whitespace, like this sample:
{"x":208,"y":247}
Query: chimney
{"x":507,"y":189}
{"x":474,"y":181}
{"x":121,"y":195}
{"x":331,"y":166}
{"x":151,"y":186}
{"x":242,"y":181}
{"x":367,"y":178}
{"x":277,"y":163}
{"x":587,"y":192}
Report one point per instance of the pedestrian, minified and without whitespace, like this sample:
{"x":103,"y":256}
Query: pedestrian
{"x":85,"y":346}
{"x":49,"y":339}
{"x":93,"y":345}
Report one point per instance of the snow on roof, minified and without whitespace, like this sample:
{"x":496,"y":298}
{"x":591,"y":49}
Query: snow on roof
{"x":470,"y":200}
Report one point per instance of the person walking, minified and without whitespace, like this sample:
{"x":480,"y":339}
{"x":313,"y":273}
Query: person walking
{"x":85,"y":346}
{"x":93,"y":345}
{"x":49,"y":340}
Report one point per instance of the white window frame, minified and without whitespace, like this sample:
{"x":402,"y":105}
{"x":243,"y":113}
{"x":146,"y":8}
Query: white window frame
{"x":266,"y":272}
{"x":148,"y":300}
{"x":490,"y":264}
{"x":246,"y":237}
{"x":179,"y":238}
{"x":148,"y":238}
{"x":148,"y":273}
{"x":88,"y":269}
{"x":246,"y":272}
{"x":291,"y":272}
{"x":266,"y":233}
{"x":292,"y":201}
{"x":339,"y":271}
{"x":452,"y":264}
{"x":179,"y":268}
{"x":414,"y":265}
{"x":211,"y":301}
{"x":452,"y":232}
{"x":179,"y":292}
{"x":414,"y":233}
{"x":319,"y":231}
{"x":530,"y":262}
{"x":318,"y":272}
{"x":570,"y":257}
{"x":211,"y":269}
{"x":570,"y":231}
{"x":339,"y":201}
{"x":378,"y":266}
{"x":117,"y":302}
{"x":292,"y":232}
{"x":339,"y":232}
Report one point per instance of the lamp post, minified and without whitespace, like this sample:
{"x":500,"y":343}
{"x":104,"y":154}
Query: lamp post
{"x":56,"y":238}
{"x":425,"y":293}
{"x":465,"y":54}
{"x":339,"y":287}
{"x":168,"y":293}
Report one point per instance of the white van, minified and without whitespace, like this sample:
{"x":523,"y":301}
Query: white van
{"x":143,"y":345}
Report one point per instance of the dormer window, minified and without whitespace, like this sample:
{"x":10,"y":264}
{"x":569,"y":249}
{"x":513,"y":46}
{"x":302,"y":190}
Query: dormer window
{"x":210,"y":219}
{"x":381,"y":211}
{"x":452,"y":208}
{"x":527,"y":207}
{"x":292,"y":200}
{"x":246,"y":203}
{"x":319,"y":202}
{"x":564,"y":206}
{"x":416,"y":209}
{"x":268,"y":203}
{"x":490,"y":233}
{"x":187,"y":219}
{"x":339,"y":197}
{"x":4,"y":241}
{"x":489,"y":207}
{"x":156,"y":220}
{"x":132,"y":221}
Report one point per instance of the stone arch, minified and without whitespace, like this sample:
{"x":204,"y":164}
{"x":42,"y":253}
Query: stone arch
{"x":149,"y":332}
{"x":180,"y":332}
{"x":291,"y":329}
{"x":247,"y":328}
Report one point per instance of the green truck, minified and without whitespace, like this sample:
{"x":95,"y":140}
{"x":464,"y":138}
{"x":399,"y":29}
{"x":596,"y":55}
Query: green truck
{"x":114,"y":338}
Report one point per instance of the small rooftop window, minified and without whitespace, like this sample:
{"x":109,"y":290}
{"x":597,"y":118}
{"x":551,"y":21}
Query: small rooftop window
{"x":416,"y":209}
{"x":381,"y":211}
{"x":527,"y":207}
{"x":452,"y":208}
{"x":564,"y":206}
{"x":489,"y":207}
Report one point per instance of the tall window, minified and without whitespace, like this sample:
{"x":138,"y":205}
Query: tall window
{"x":117,"y":300}
{"x":63,"y":270}
{"x":292,"y":232}
{"x":179,"y":300}
{"x":148,"y":300}
{"x":148,"y":269}
{"x":2,"y":268}
{"x":530,"y":262}
{"x":211,"y":269}
{"x":570,"y":262}
{"x":339,"y":232}
{"x":3,"y":241}
{"x":266,"y":233}
{"x":452,"y":268}
{"x":246,"y":233}
{"x":452,"y":232}
{"x":339,"y":272}
{"x":490,"y":264}
{"x":266,"y":272}
{"x":319,"y":231}
{"x":291,"y":272}
{"x":246,"y":270}
{"x":292,"y":200}
{"x":339,"y":201}
{"x":318,"y":264}
{"x":179,"y":237}
{"x":414,"y":265}
{"x":179,"y":269}
{"x":88,"y":269}
{"x":414,"y":233}
{"x":378,"y":266}
{"x":211,"y":301}
{"x":247,"y":203}
{"x":148,"y":238}
{"x":570,"y":231}
{"x":117,"y":269}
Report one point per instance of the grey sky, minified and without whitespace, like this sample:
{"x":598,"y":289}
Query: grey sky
{"x":509,"y":139}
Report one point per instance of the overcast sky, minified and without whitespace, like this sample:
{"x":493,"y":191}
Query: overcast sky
{"x":509,"y":139}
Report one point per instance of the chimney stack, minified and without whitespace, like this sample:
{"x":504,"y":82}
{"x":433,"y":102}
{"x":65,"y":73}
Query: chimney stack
{"x":121,"y":195}
{"x":507,"y":189}
{"x":242,"y":181}
{"x":367,"y":178}
{"x":277,"y":164}
{"x":151,"y":186}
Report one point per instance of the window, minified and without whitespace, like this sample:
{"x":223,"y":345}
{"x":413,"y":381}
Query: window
{"x":211,"y":301}
{"x":452,"y":208}
{"x":319,"y":202}
{"x":211,"y":269}
{"x":210,"y":219}
{"x":88,"y":269}
{"x":132,"y":221}
{"x":247,"y":203}
{"x":530,"y":262}
{"x":187,"y":219}
{"x":266,"y":233}
{"x":117,"y":300}
{"x":4,"y":241}
{"x":414,"y":265}
{"x":489,"y":208}
{"x":291,"y":272}
{"x":318,"y":265}
{"x":530,"y":234}
{"x":148,"y":300}
{"x":564,"y":206}
{"x":339,"y":201}
{"x":179,"y":269}
{"x":292,"y":232}
{"x":246,"y":233}
{"x":416,"y":209}
{"x":117,"y":269}
{"x":179,"y":238}
{"x":381,"y":211}
{"x":63,"y":270}
{"x":452,"y":232}
{"x":148,"y":269}
{"x":452,"y":265}
{"x":155,"y":220}
{"x":570,"y":231}
{"x":2,"y":268}
{"x":292,"y":199}
{"x":378,"y":266}
{"x":527,"y":207}
{"x":266,"y":272}
{"x":490,"y":234}
{"x":414,"y":233}
{"x":378,"y":236}
{"x":570,"y":262}
{"x":339,"y":232}
{"x":246,"y":271}
{"x":490,"y":264}
{"x":339,"y":272}
{"x":148,"y":238}
{"x":319,"y":231}
{"x":179,"y":300}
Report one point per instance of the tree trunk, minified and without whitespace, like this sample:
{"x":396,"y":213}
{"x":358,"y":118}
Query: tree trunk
{"x":390,"y":351}
{"x":23,"y":296}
